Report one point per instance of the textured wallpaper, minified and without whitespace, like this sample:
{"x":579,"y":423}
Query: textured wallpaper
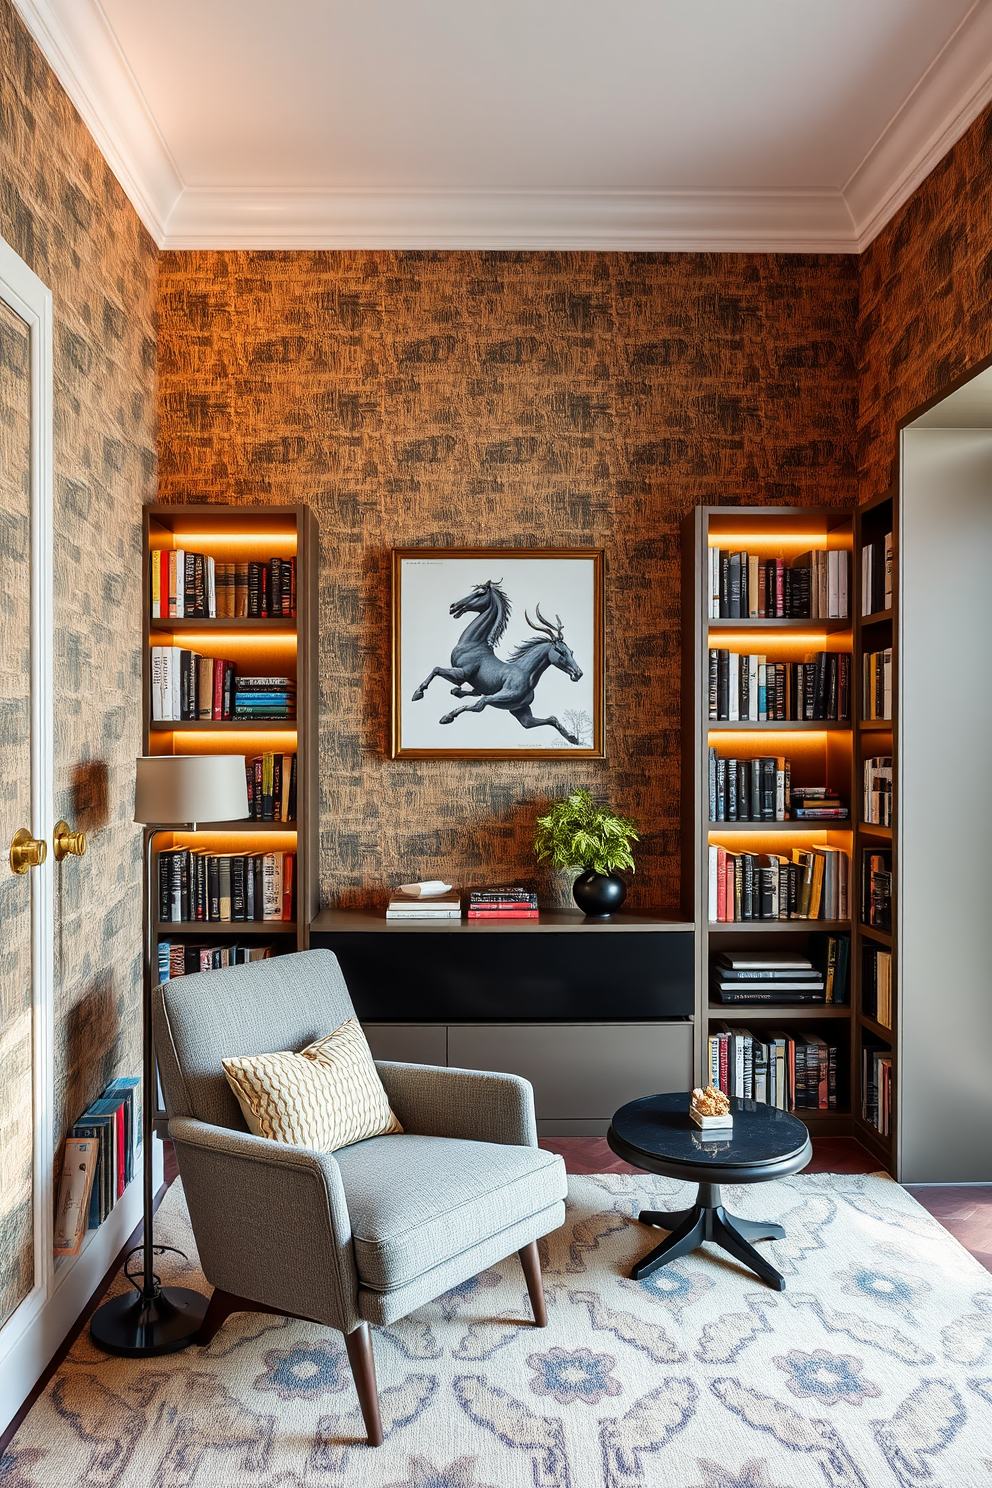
{"x":63,"y":211}
{"x":565,"y":399}
{"x":926,"y":298}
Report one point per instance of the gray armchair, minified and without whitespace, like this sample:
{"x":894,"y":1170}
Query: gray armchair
{"x":371,"y":1232}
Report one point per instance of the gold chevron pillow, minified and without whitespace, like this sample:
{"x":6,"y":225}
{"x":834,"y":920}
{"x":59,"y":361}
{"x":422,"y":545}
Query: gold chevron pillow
{"x":327,"y":1096}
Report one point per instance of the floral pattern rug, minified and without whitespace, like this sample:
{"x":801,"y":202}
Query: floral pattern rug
{"x":873,"y":1368}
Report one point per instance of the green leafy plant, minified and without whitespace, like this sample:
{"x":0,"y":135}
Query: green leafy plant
{"x":579,"y":833}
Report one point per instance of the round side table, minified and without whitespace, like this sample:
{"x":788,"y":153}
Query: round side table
{"x":657,"y":1134}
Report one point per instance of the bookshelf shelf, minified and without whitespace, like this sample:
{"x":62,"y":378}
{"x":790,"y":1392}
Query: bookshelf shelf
{"x":210,"y":928}
{"x":227,"y":625}
{"x":782,"y":627}
{"x":227,"y":726}
{"x":875,"y":1027}
{"x":778,"y":1012}
{"x":230,"y":534}
{"x":884,"y":937}
{"x":880,"y":617}
{"x":779,"y":725}
{"x":875,"y":725}
{"x":774,"y":927}
{"x":760,"y":828}
{"x":865,"y":829}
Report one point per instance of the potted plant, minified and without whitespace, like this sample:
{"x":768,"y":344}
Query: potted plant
{"x":579,"y":833}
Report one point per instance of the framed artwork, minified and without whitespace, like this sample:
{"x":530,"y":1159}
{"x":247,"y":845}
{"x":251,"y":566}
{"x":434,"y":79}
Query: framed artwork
{"x":498,"y":653}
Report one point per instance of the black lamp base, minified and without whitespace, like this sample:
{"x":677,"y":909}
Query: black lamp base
{"x":136,"y":1326}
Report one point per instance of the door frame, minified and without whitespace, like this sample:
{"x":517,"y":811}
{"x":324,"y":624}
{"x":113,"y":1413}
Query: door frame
{"x":30,"y":299}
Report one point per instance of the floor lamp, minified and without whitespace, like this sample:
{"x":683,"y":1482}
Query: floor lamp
{"x":170,"y":792}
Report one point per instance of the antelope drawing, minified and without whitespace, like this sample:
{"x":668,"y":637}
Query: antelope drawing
{"x":478,"y":672}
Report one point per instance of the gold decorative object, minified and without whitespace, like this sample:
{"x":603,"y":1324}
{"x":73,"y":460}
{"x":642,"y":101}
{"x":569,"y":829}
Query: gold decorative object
{"x":26,"y":851}
{"x":65,"y":841}
{"x":710,"y":1110}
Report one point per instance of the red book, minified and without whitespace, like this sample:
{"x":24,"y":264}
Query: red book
{"x":504,"y":914}
{"x":288,"y":861}
{"x":723,"y":1060}
{"x":218,"y":706}
{"x":491,"y":904}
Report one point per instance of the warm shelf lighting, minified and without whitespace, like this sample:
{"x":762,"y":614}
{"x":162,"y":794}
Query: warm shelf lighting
{"x":185,"y":741}
{"x":276,"y":544}
{"x":775,"y":638}
{"x":278,"y":642}
{"x":773,"y":545}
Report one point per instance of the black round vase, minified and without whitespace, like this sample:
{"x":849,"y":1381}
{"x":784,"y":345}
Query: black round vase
{"x":599,"y":895}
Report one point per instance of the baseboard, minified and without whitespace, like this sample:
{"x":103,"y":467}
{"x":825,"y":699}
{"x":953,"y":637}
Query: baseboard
{"x":75,"y":1280}
{"x":590,"y":1127}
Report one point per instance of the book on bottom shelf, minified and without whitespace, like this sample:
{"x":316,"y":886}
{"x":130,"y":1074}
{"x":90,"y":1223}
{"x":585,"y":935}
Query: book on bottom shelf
{"x":792,"y":1071}
{"x":182,"y":959}
{"x":876,"y":1089}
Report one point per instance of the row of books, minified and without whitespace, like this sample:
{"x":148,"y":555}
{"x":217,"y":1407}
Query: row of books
{"x":876,"y":888}
{"x":744,"y":586}
{"x":877,"y":805}
{"x":876,"y":699}
{"x":752,"y":688}
{"x":175,"y":960}
{"x":876,"y":984}
{"x":195,"y":885}
{"x":795,"y":1072}
{"x":271,"y":781}
{"x":820,"y":975}
{"x":503,"y":904}
{"x":748,"y":789}
{"x":876,"y":1089}
{"x":811,"y":885}
{"x":99,"y":1161}
{"x":186,"y":686}
{"x":876,"y":575}
{"x":192,"y":586}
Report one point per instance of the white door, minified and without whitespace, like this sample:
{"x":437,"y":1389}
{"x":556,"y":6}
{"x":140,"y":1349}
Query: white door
{"x":26,"y":931}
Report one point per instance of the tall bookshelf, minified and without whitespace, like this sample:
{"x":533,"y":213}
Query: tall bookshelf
{"x":874,"y":632}
{"x":260,"y":646}
{"x":822,"y":752}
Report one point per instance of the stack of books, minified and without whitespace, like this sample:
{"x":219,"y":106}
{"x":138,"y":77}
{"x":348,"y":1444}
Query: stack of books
{"x":114,"y":1122}
{"x":876,"y":575}
{"x":264,"y":697}
{"x":765,"y":976}
{"x":876,"y":1089}
{"x":878,"y":791}
{"x":271,"y":780}
{"x":795,"y":1072}
{"x":186,"y":586}
{"x":812,"y":885}
{"x":749,"y":789}
{"x":876,"y":888}
{"x":184,"y":960}
{"x":187,"y":686}
{"x":876,"y":701}
{"x":817,"y":803}
{"x":744,"y":586}
{"x":876,"y":984}
{"x":442,"y":907}
{"x":195,"y":885}
{"x":502,"y":904}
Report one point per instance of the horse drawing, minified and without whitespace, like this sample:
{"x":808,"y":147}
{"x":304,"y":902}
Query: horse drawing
{"x":478,"y":672}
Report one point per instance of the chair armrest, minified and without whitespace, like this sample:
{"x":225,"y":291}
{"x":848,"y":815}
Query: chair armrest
{"x":271,"y":1221}
{"x":435,"y":1101}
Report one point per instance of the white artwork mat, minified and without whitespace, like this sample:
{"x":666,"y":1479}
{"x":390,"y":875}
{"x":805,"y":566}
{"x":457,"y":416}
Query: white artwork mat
{"x":564,"y":588}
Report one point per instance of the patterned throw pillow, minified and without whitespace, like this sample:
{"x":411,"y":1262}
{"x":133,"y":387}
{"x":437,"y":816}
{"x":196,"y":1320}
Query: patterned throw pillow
{"x":325,"y":1097}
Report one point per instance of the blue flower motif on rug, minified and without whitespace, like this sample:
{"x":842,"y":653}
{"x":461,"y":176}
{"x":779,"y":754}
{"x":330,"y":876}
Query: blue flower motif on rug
{"x":893,"y":1290}
{"x":676,"y":1287}
{"x":576,"y":1375}
{"x":827,"y":1378}
{"x":304,"y":1372}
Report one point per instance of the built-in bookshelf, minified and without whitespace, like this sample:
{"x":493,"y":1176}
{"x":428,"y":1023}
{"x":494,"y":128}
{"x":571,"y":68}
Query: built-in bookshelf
{"x":806,"y":653}
{"x":279,"y":542}
{"x":875,"y":973}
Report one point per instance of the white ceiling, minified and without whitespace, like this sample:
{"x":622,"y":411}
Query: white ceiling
{"x":778,"y":124}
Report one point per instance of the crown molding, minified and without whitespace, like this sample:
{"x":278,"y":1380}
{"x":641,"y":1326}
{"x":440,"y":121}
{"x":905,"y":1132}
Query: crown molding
{"x":79,"y":43}
{"x":947,"y":99}
{"x":80,"y":46}
{"x":500,"y":219}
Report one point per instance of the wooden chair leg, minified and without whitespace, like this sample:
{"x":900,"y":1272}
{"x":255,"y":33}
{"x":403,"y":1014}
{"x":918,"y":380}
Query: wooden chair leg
{"x":359,"y":1345}
{"x":219,"y":1309}
{"x":531,"y":1262}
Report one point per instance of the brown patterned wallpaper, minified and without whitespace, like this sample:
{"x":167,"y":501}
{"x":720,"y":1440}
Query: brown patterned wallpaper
{"x":561,"y":399}
{"x":926,"y":298}
{"x":62,"y":210}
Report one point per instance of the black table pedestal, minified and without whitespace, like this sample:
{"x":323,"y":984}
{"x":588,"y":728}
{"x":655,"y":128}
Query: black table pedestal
{"x":708,"y":1220}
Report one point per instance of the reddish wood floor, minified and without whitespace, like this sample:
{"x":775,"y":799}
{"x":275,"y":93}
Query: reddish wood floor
{"x":964,"y":1210}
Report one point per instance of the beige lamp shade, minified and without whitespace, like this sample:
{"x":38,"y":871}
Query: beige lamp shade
{"x":175,"y":789}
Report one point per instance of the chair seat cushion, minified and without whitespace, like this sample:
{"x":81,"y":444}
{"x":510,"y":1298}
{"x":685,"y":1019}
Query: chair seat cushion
{"x":416,"y":1202}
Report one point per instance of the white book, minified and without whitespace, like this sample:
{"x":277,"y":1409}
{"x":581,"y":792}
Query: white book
{"x":888,"y":570}
{"x":752,"y":688}
{"x":423,"y":914}
{"x":843,"y":584}
{"x":712,"y":860}
{"x":833,"y":584}
{"x":714,"y":1051}
{"x":211,"y":588}
{"x":714,"y":583}
{"x":734,"y":688}
{"x":157,"y":684}
{"x":762,"y":687}
{"x":165,"y":682}
{"x":780,"y":795}
{"x":176,"y":683}
{"x":272,"y":886}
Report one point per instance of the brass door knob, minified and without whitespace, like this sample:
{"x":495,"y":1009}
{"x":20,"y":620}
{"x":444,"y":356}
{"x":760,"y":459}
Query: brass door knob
{"x":65,"y":842}
{"x":26,"y":851}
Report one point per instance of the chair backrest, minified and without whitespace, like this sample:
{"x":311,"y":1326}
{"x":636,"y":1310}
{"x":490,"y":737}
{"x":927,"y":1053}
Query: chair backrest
{"x":282,"y":1003}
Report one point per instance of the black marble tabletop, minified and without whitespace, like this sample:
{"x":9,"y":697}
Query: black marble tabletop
{"x":660,"y":1126}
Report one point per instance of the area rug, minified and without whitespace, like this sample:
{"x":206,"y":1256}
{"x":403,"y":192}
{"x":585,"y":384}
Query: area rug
{"x":873,"y":1368}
